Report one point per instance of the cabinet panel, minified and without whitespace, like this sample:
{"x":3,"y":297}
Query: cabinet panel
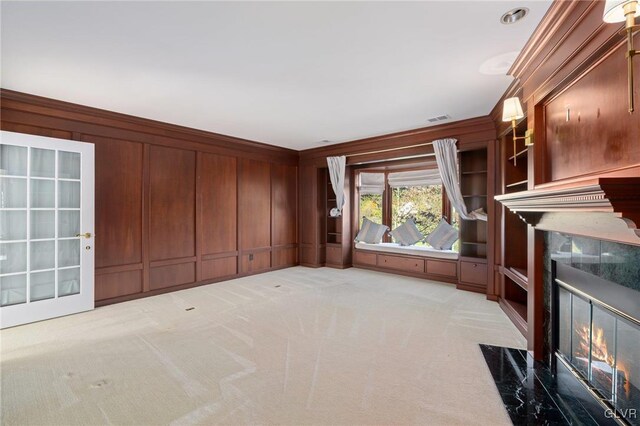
{"x":254,"y":202}
{"x":218,"y":183}
{"x":284,"y":191}
{"x":171,"y":203}
{"x":471,"y":272}
{"x":118,"y":198}
{"x":438,"y":267}
{"x":401,"y":263}
{"x":334,"y":255}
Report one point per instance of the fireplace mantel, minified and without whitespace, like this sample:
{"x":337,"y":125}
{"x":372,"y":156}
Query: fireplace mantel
{"x":603,"y":207}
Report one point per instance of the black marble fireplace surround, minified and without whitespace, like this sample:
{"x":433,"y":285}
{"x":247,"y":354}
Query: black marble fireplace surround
{"x":571,"y":387}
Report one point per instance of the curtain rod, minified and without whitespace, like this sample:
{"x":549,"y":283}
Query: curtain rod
{"x":390,"y":149}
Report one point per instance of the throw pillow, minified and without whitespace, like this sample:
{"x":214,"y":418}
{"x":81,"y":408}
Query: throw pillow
{"x":443,"y":237}
{"x":371,"y":232}
{"x":407,"y":234}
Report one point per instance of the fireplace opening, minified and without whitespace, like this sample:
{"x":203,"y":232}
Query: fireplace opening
{"x":596,"y":332}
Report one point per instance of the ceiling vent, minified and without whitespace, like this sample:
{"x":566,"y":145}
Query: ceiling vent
{"x":438,"y":118}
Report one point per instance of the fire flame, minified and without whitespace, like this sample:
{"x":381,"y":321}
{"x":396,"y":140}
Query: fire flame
{"x":600,"y":352}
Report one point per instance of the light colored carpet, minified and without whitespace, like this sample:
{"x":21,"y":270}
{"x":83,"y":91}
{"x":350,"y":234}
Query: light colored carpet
{"x":296,"y":346}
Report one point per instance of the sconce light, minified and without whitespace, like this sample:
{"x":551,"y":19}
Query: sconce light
{"x":625,"y":10}
{"x":512,"y":111}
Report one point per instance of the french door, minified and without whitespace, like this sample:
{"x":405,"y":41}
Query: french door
{"x":46,"y":228}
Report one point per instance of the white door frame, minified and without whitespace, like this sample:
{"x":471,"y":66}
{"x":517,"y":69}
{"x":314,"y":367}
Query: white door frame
{"x":23,"y":313}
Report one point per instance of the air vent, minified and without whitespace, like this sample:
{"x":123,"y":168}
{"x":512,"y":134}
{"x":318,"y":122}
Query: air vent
{"x":438,"y":118}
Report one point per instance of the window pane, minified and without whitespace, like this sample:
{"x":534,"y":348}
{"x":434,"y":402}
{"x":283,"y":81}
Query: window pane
{"x":422,"y":203}
{"x":371,"y":207}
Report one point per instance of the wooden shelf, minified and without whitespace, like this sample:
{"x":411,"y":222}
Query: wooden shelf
{"x":517,"y":312}
{"x":475,"y":243}
{"x":513,"y":185}
{"x":475,"y":195}
{"x":518,"y":276}
{"x":473,"y":172}
{"x":519,"y":154}
{"x":334,"y":233}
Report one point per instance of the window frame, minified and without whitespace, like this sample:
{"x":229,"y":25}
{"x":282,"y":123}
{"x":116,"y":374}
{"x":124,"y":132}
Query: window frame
{"x":387,"y":196}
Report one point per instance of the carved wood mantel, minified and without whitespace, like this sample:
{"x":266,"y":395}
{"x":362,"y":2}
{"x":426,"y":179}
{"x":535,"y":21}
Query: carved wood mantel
{"x":604,"y":208}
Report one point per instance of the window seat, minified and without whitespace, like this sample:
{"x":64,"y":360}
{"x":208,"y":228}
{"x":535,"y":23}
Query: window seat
{"x":422,"y":251}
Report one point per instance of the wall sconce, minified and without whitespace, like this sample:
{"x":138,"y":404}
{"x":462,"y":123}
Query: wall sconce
{"x":625,"y":10}
{"x":512,"y":111}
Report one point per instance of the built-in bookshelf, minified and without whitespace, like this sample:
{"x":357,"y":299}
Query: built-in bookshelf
{"x":338,"y":243}
{"x":513,"y":270}
{"x":473,"y":185}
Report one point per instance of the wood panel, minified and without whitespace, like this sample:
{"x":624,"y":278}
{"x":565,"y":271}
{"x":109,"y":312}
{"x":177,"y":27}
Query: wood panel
{"x":172,"y":275}
{"x":219,"y":268}
{"x":284,"y":256}
{"x":218,"y":208}
{"x":118,"y":195}
{"x":363,"y":258}
{"x":284,"y":202}
{"x":171,"y":203}
{"x":108,"y":286}
{"x":254,"y":204}
{"x":588,"y":128}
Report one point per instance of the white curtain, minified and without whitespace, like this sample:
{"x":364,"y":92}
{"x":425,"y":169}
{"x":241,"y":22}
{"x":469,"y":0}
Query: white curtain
{"x":423,"y":177}
{"x":337,"y":167}
{"x":447,"y":159}
{"x":371,"y":183}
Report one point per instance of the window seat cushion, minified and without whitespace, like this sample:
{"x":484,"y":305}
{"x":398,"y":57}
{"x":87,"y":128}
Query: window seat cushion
{"x":409,"y":250}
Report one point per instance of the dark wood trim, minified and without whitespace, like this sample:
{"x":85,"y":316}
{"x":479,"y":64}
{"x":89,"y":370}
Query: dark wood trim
{"x":220,"y":255}
{"x":119,"y":268}
{"x":146,"y":259}
{"x":177,"y":261}
{"x":468,"y":131}
{"x":150,"y":131}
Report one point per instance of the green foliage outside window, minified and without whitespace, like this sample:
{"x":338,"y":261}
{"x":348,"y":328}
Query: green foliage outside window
{"x":371,"y":207}
{"x":422,"y":203}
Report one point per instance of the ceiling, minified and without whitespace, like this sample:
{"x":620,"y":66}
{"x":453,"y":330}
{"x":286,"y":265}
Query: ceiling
{"x":285,"y":73}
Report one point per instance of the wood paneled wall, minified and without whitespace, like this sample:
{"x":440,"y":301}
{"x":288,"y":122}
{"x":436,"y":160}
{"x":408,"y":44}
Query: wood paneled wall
{"x":175,"y":207}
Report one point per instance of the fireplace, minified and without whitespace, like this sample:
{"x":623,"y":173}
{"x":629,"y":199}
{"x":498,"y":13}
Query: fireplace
{"x":596,"y":333}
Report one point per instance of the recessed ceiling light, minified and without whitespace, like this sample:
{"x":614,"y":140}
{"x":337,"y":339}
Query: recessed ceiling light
{"x":514,"y":15}
{"x":325,"y":141}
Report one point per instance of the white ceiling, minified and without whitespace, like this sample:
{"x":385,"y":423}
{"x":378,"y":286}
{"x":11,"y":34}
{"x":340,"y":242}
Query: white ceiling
{"x":285,"y":73}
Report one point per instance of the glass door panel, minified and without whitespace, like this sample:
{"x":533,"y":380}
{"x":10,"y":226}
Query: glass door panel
{"x":43,"y":163}
{"x":13,"y":193}
{"x":13,"y":225}
{"x":13,"y":160}
{"x":13,"y":289}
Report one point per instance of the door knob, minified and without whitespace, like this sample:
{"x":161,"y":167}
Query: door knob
{"x":86,"y":235}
